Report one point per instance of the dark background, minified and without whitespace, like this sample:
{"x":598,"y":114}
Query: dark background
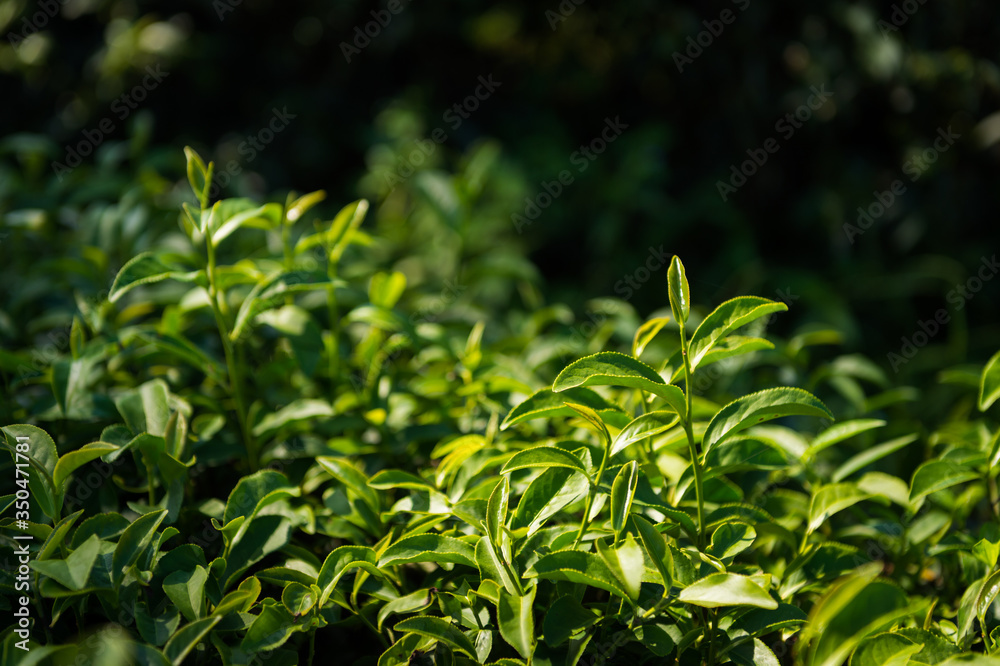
{"x":893,"y":89}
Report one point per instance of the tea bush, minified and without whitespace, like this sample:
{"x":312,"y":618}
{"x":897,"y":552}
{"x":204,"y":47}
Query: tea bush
{"x":275,"y":443}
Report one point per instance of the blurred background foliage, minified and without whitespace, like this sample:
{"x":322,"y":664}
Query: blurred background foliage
{"x":216,"y":74}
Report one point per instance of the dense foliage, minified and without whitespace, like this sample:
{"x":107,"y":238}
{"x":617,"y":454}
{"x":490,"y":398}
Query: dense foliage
{"x":280,"y":436}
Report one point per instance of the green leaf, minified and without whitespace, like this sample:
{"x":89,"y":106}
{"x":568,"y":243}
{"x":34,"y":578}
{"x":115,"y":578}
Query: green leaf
{"x":41,"y":459}
{"x":245,"y":499}
{"x":394,"y":478}
{"x":385,"y":289}
{"x":439,"y":630}
{"x":234,"y":602}
{"x":517,"y":622}
{"x":989,"y":384}
{"x":185,"y":640}
{"x":680,"y":292}
{"x":840,"y":432}
{"x":545,"y":403}
{"x":656,"y":548}
{"x":935,"y":475}
{"x":270,"y":630}
{"x":134,"y":540}
{"x":615,"y":369}
{"x":645,"y":334}
{"x":298,"y":599}
{"x":496,"y":511}
{"x":303,"y":409}
{"x":147,"y":268}
{"x":300,"y":206}
{"x":543,"y":457}
{"x":341,"y":232}
{"x":429,"y":548}
{"x":269,"y":293}
{"x":725,"y":319}
{"x":886,"y":649}
{"x":346,"y":473}
{"x":625,"y":562}
{"x":74,"y":571}
{"x":647,"y":425}
{"x":146,"y":408}
{"x":187,"y":590}
{"x":400,"y":652}
{"x":491,"y":567}
{"x":622,"y":494}
{"x":578,"y":567}
{"x":762,"y":621}
{"x":830,"y":499}
{"x":753,"y":653}
{"x":156,"y":630}
{"x":833,"y":603}
{"x":260,"y":217}
{"x":728,"y":347}
{"x":104,"y":525}
{"x":564,"y":618}
{"x":758,"y":407}
{"x":869,"y":456}
{"x":414,"y":602}
{"x":197,"y":172}
{"x":726,"y":589}
{"x":339,"y":562}
{"x":74,"y":459}
{"x":731,"y":539}
{"x":550,"y":492}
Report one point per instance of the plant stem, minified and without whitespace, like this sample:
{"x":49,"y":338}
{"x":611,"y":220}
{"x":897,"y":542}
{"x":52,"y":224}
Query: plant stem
{"x":510,"y":571}
{"x":334,"y":316}
{"x":692,"y":447}
{"x":235,"y":385}
{"x":711,"y":637}
{"x":149,"y":483}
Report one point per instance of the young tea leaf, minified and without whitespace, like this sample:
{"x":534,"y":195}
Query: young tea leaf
{"x":989,"y":384}
{"x":680,"y":292}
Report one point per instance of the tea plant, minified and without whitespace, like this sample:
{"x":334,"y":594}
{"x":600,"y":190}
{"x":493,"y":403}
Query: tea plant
{"x":289,"y":461}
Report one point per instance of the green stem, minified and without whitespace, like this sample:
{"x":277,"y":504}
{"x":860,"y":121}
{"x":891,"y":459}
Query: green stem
{"x":232,"y":367}
{"x":585,"y":521}
{"x":312,"y":646}
{"x":692,"y":447}
{"x":510,"y":571}
{"x":334,"y":316}
{"x":711,"y":637}
{"x":149,"y":483}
